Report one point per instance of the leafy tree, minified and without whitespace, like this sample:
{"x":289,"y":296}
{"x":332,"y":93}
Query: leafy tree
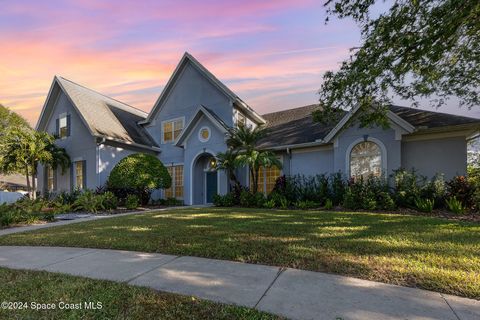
{"x":418,"y":49}
{"x":255,"y":159}
{"x":243,"y":142}
{"x":139,"y":171}
{"x":24,"y":149}
{"x":8,"y":121}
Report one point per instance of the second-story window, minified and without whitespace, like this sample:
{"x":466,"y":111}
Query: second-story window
{"x":172,"y":129}
{"x":63,"y":126}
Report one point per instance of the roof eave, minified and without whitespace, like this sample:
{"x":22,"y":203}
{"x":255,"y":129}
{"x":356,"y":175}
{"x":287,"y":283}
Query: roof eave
{"x":129,"y":143}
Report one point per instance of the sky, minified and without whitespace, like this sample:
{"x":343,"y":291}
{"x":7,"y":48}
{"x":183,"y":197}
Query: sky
{"x":271,"y":53}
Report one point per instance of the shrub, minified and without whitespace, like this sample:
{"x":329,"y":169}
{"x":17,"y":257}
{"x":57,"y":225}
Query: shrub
{"x":407,"y":185}
{"x":328,"y":204}
{"x":270,"y":204}
{"x":8,"y":215}
{"x":173,"y":202}
{"x":89,"y":202}
{"x":434,"y":189}
{"x":370,"y":194}
{"x":316,"y":188}
{"x":424,"y":205}
{"x":67,"y":197}
{"x":461,"y":189}
{"x":226,"y":200}
{"x":454,"y":205}
{"x":248,"y":199}
{"x":385,"y":201}
{"x":337,"y":188}
{"x":278,"y":199}
{"x":140,"y":172}
{"x":131,"y":202}
{"x":109,"y":200}
{"x":307,"y":204}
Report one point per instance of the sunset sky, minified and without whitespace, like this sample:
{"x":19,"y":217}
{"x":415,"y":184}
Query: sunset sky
{"x":272,"y":53}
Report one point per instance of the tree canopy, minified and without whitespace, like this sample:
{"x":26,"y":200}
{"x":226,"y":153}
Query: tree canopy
{"x":418,"y":49}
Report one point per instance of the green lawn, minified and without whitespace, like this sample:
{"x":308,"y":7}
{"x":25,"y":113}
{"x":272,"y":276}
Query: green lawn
{"x":414,"y":251}
{"x":118,"y":300}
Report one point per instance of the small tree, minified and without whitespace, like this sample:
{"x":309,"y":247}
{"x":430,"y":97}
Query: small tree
{"x":139,"y":173}
{"x":228,"y":161}
{"x":24,"y":149}
{"x":242,"y":143}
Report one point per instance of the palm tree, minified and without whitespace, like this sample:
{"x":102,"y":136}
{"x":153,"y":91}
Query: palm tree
{"x":228,"y":161}
{"x":255,"y":160}
{"x":245,"y":138}
{"x":243,"y":142}
{"x":25,"y":149}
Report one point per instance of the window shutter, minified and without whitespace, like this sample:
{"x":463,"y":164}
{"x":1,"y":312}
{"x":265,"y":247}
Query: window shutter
{"x":68,"y":125}
{"x":84,"y":173}
{"x":45,"y":180}
{"x":57,"y":127}
{"x":72,"y":167}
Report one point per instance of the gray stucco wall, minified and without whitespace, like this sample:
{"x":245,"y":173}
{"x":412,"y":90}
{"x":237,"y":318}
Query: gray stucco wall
{"x":310,"y":161}
{"x":190,"y":91}
{"x":80,"y":145}
{"x":428,"y":157}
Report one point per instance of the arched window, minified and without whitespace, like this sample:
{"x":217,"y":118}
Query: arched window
{"x":366,"y":160}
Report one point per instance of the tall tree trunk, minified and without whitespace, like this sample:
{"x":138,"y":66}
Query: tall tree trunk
{"x":254,"y":174}
{"x":34,"y":183}
{"x":34,"y":186}
{"x":27,"y":175}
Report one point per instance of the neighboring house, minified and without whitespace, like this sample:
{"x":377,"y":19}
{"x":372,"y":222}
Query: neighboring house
{"x":187,"y":127}
{"x":13,"y":182}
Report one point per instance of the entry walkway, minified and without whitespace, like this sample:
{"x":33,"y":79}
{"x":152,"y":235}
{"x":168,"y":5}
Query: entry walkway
{"x":293,"y":293}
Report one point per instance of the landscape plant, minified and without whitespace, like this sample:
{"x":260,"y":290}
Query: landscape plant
{"x":138,"y":174}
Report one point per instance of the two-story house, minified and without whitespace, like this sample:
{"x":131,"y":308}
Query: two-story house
{"x":187,"y":127}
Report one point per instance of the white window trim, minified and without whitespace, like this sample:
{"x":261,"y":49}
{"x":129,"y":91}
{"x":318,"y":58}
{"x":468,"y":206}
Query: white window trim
{"x":200,"y":134}
{"x":173,"y":129}
{"x":379,"y":143}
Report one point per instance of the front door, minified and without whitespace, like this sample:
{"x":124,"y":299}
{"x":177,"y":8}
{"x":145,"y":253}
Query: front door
{"x":211,"y":185}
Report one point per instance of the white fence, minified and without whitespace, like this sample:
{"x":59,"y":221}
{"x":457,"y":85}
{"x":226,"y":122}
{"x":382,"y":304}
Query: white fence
{"x":9,"y":197}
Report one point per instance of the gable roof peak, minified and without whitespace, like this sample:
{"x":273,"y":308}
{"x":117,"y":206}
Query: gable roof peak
{"x":187,"y":57}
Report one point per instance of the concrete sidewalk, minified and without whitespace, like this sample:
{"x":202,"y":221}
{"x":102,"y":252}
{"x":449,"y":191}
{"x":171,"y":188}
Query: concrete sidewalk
{"x":292,"y":293}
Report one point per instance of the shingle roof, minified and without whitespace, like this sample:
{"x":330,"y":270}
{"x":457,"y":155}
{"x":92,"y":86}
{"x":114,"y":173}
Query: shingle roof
{"x":296,"y":126}
{"x":107,"y":117}
{"x":430,"y":119}
{"x":293,"y":126}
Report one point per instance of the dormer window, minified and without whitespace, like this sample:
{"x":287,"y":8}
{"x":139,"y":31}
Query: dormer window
{"x":63,"y":126}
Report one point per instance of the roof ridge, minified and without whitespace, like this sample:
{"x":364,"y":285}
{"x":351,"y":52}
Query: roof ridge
{"x":103,"y":95}
{"x":291,"y":109}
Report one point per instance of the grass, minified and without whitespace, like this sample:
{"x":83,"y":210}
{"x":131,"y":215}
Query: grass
{"x":118,"y":300}
{"x":415,"y":251}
